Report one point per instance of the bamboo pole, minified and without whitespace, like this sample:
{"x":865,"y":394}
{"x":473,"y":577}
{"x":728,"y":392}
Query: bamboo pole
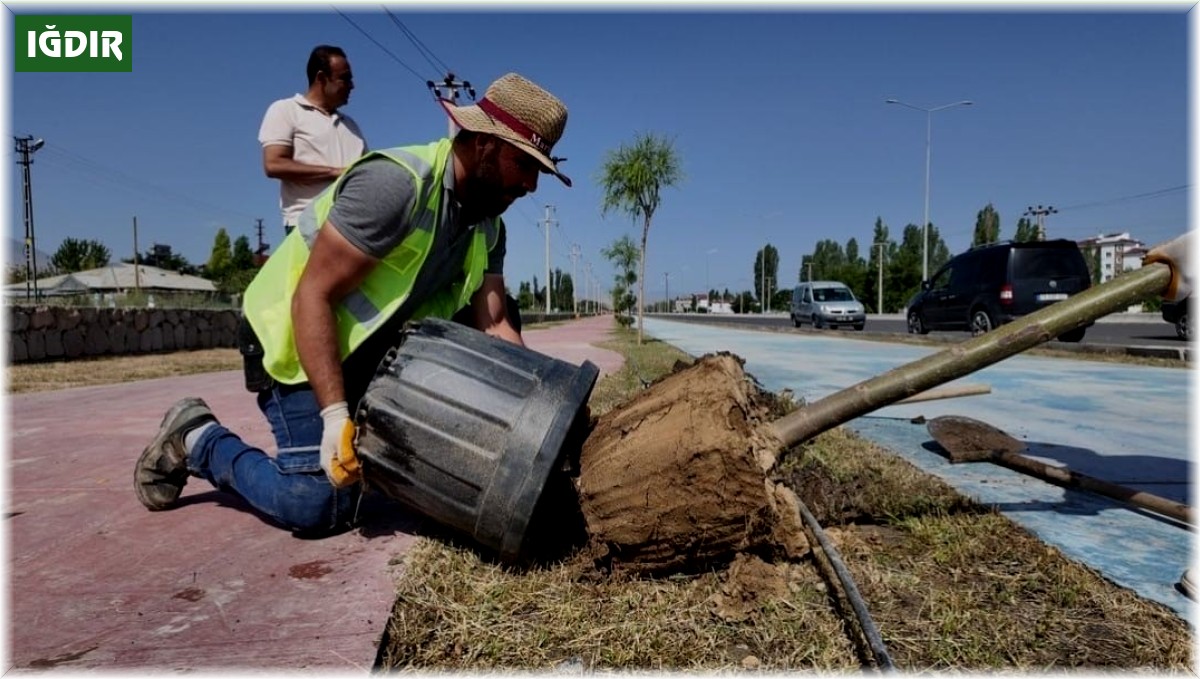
{"x":974,"y":354}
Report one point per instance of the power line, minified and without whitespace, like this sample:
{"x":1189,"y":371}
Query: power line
{"x":1122,"y":199}
{"x":114,"y":177}
{"x":380,"y":45}
{"x":425,"y":51}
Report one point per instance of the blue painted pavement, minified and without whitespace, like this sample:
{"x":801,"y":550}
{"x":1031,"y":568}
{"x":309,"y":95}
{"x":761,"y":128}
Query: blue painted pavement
{"x":1121,"y":423}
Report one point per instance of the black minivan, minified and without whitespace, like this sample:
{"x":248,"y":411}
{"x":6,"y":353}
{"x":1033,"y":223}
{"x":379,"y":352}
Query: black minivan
{"x":990,"y":285}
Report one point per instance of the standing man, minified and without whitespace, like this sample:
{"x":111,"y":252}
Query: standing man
{"x":306,"y":142}
{"x":405,"y":233}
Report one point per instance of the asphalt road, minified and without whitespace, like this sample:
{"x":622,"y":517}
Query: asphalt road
{"x":1107,"y":332}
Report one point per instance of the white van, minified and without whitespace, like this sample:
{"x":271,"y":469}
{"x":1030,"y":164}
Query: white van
{"x":826,"y":303}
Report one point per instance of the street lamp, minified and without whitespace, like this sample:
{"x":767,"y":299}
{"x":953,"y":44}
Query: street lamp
{"x":707,"y":257}
{"x":928,"y":139}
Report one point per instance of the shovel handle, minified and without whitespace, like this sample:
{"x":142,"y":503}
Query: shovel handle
{"x":947,"y":392}
{"x":1155,"y":503}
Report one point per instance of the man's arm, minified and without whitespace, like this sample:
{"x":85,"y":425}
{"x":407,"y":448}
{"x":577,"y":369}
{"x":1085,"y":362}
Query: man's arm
{"x":278,"y":163}
{"x":491,"y":310}
{"x":335,"y":267}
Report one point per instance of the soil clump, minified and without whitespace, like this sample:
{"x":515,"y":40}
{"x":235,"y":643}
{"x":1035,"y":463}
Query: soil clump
{"x":677,"y":478}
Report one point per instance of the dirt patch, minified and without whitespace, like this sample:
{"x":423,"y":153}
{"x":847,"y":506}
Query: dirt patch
{"x":310,"y":570}
{"x":676,"y":479}
{"x":750,"y":583}
{"x":189,"y":594}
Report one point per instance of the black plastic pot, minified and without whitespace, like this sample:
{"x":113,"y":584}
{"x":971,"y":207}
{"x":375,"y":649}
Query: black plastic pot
{"x":466,"y":428}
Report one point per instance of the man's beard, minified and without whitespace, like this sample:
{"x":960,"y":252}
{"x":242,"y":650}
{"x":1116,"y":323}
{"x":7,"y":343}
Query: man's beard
{"x":488,"y":195}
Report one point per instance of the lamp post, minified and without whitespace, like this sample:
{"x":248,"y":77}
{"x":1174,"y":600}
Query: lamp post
{"x":928,"y":143}
{"x":707,"y":257}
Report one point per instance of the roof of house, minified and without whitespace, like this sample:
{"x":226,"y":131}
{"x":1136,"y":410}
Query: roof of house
{"x":117,"y":277}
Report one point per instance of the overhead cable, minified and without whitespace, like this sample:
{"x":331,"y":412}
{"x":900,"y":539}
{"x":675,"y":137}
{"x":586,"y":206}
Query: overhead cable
{"x":425,"y":51}
{"x":380,"y":46}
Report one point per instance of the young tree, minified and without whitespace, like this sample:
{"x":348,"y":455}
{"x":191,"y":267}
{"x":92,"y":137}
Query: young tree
{"x":79,"y":255}
{"x":854,"y":274}
{"x":828,"y":260}
{"x":633,"y":178}
{"x":987,"y":226}
{"x":766,"y":270}
{"x":1026,"y":231}
{"x":624,"y":254}
{"x":161,"y":256}
{"x":1092,"y":257}
{"x":903,"y":268}
{"x":243,"y":256}
{"x":871,"y":284}
{"x":939,"y":252}
{"x":564,"y":289}
{"x":743,"y":303}
{"x":525,"y":298}
{"x":220,"y":261}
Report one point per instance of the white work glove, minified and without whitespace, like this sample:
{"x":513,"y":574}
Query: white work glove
{"x":338,"y":458}
{"x":1174,"y":254}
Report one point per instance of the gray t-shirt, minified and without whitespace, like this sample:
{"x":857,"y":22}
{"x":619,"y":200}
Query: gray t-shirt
{"x":371,"y":210}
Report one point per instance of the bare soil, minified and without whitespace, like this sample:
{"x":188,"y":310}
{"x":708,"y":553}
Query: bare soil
{"x":675,"y":480}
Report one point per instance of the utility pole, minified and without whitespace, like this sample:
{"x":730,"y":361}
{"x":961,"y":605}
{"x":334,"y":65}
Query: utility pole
{"x":137,"y":270}
{"x":27,"y":146}
{"x":667,"y":283}
{"x":548,"y":221}
{"x":260,"y":253}
{"x":591,"y":285}
{"x":1040,"y":212}
{"x":575,"y":255}
{"x":810,"y":271}
{"x":762,"y":274}
{"x":448,"y":91}
{"x":879,"y":308}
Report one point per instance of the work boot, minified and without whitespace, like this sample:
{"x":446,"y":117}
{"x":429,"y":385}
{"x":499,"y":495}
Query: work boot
{"x":161,"y":471}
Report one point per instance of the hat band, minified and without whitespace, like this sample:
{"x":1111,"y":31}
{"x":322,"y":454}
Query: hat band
{"x":511,"y":122}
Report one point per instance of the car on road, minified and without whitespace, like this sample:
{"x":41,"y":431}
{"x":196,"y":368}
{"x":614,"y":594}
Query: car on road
{"x":990,"y":285}
{"x":1179,"y":314}
{"x":826,"y":303}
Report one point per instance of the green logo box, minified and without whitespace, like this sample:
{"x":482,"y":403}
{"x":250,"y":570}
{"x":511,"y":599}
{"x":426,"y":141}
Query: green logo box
{"x":61,"y":43}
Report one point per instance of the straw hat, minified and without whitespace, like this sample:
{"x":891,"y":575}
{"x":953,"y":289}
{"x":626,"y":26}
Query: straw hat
{"x":518,"y":111}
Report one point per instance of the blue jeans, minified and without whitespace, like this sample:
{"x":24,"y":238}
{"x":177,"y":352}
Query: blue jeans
{"x":290,"y":488}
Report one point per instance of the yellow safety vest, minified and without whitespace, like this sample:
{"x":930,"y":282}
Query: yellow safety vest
{"x":268,"y":299}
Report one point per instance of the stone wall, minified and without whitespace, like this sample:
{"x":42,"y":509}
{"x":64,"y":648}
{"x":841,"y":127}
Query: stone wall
{"x":63,"y":333}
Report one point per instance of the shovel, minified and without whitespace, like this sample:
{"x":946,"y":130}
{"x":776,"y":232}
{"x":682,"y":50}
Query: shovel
{"x":970,"y":440}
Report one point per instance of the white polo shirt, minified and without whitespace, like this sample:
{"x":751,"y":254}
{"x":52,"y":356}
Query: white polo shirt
{"x":316,"y":139}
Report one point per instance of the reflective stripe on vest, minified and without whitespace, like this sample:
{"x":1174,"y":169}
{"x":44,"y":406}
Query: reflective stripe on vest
{"x":364,"y":310}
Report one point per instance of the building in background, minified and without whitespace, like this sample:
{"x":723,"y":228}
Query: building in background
{"x":1113,"y":255}
{"x":114,"y":280}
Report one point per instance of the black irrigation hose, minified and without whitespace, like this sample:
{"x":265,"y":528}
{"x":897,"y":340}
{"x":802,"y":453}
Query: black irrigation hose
{"x":856,"y":601}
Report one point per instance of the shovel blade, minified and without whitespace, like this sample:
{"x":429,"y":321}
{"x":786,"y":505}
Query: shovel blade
{"x":969,"y":440}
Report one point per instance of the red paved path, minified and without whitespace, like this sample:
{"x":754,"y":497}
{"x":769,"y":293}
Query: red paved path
{"x":98,"y":582}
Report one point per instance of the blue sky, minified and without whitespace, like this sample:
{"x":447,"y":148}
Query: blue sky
{"x":778,"y":116}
